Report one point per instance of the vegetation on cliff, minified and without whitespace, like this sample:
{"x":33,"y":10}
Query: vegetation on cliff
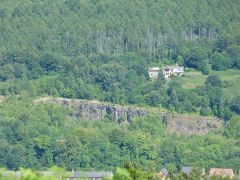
{"x":44,"y":134}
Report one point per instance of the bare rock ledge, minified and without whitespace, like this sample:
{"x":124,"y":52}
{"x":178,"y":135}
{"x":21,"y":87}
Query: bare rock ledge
{"x":176,"y":123}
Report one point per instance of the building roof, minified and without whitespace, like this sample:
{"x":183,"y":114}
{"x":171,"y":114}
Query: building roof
{"x":178,"y":68}
{"x":186,"y":169}
{"x":92,"y":174}
{"x":153,"y":68}
{"x":221,"y":171}
{"x":164,"y":171}
{"x":5,"y":173}
{"x":48,"y":173}
{"x":19,"y":173}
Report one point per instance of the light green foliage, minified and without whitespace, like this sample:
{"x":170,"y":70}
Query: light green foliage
{"x":194,"y":79}
{"x":52,"y":173}
{"x":73,"y":56}
{"x":121,"y":174}
{"x":219,"y":62}
{"x":180,"y":60}
{"x":233,"y":127}
{"x":34,"y":142}
{"x":90,"y":49}
{"x":205,"y":68}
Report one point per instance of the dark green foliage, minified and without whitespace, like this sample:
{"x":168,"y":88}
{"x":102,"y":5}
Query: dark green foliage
{"x":235,"y":55}
{"x":156,"y":29}
{"x":205,"y":108}
{"x":6,"y":72}
{"x":215,"y":96}
{"x":101,"y":50}
{"x":236,"y":105}
{"x":219,"y":62}
{"x":205,"y":68}
{"x":43,"y":135}
{"x":75,"y":57}
{"x":214,"y":80}
{"x":233,"y":127}
{"x":194,"y":57}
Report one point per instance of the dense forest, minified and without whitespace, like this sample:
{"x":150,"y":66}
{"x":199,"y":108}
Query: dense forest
{"x":100,"y":49}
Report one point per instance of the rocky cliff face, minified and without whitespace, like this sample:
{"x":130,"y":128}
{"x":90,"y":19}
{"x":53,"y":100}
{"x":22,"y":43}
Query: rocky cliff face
{"x":3,"y":98}
{"x":175,"y":123}
{"x":186,"y":124}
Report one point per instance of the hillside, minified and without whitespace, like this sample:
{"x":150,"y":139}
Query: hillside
{"x":40,"y":135}
{"x":99,"y":51}
{"x":91,"y":49}
{"x":230,"y":78}
{"x":175,"y":123}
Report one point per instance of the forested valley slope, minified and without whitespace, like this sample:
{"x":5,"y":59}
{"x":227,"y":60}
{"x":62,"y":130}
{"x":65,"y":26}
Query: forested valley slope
{"x":99,"y":50}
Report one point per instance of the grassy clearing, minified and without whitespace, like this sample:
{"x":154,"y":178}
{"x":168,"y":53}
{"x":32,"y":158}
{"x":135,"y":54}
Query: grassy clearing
{"x":195,"y":78}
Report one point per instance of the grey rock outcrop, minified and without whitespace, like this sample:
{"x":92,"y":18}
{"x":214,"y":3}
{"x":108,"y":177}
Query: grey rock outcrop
{"x":3,"y":98}
{"x":97,"y":110}
{"x":186,"y":124}
{"x":176,"y":123}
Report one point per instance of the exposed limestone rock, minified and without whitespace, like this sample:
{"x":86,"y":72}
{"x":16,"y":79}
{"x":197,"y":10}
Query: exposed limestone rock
{"x":2,"y":98}
{"x":97,"y":110}
{"x":192,"y":124}
{"x":184,"y":124}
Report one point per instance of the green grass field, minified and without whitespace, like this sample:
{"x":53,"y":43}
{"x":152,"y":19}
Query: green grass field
{"x":195,"y":78}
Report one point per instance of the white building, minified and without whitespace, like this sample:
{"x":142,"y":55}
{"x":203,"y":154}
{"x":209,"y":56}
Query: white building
{"x":172,"y":70}
{"x":153,"y":72}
